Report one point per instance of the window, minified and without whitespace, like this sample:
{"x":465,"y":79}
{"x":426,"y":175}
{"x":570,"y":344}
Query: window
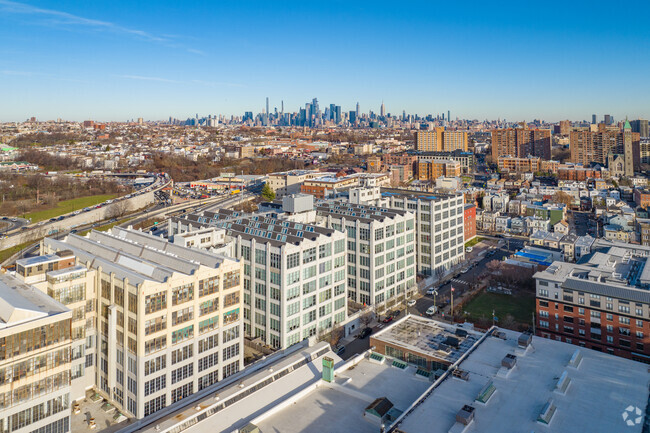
{"x":183,"y":334}
{"x":181,"y":354}
{"x":182,"y":373}
{"x":182,"y":294}
{"x":155,"y":385}
{"x":155,"y":405}
{"x":155,"y":302}
{"x":208,"y":286}
{"x":309,"y":255}
{"x":230,"y":352}
{"x":293,"y":260}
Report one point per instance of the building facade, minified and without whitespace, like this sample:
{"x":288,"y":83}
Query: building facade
{"x":439,"y":227}
{"x":35,"y":354}
{"x":381,"y":250}
{"x":294,"y":279}
{"x":521,"y":142}
{"x":169,"y":317}
{"x":602,"y":303}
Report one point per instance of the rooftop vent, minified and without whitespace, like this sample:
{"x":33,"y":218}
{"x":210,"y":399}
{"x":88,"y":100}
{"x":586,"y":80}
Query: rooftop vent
{"x":509,"y":361}
{"x":452,"y":341}
{"x":461,"y":374}
{"x":524,"y":340}
{"x":466,"y":415}
{"x":461,"y":333}
{"x":499,"y":334}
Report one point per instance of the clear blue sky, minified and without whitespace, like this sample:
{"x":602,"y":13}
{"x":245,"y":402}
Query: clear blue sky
{"x":154,"y":59}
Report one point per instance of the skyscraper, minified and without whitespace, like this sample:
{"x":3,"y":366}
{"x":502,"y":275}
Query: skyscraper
{"x":608,"y":119}
{"x":382,"y":110}
{"x":640,"y":126}
{"x":267,"y":106}
{"x":521,"y":142}
{"x":448,"y":116}
{"x":357,"y":112}
{"x":593,"y":119}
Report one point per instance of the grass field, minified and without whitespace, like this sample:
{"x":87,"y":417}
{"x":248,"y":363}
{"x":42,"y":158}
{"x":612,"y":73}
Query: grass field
{"x":473,"y":242}
{"x":519,"y":306}
{"x":5,"y":254}
{"x":68,"y":206}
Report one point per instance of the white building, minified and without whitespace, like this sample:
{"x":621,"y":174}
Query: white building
{"x":294,"y":273}
{"x":35,"y":351}
{"x":169,"y":317}
{"x":381,"y":250}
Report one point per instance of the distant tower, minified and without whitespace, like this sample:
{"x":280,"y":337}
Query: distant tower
{"x":593,"y":119}
{"x":382,"y":110}
{"x":628,"y":150}
{"x":267,"y":105}
{"x":282,"y":104}
{"x":448,"y":116}
{"x":357,"y":113}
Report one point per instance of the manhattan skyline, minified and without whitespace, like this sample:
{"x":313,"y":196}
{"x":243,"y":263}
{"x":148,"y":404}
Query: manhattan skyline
{"x":122,"y":60}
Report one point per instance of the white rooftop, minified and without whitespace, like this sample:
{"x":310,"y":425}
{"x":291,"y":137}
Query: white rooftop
{"x":600,"y":390}
{"x":21,"y":303}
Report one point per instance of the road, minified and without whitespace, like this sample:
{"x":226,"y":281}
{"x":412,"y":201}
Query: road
{"x":14,"y":225}
{"x":461,"y":283}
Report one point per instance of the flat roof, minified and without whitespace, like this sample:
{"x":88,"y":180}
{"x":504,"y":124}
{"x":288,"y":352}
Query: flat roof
{"x":600,"y":391}
{"x":428,"y":337}
{"x":21,"y":303}
{"x":339,"y":407}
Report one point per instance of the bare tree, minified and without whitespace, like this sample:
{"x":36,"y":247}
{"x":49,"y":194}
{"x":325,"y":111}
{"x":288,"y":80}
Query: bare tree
{"x":118,"y":209}
{"x":365,"y":319}
{"x":336,"y":335}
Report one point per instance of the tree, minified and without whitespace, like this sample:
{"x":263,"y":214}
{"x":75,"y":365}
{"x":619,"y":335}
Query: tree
{"x":336,"y":335}
{"x":365,"y":319}
{"x":268,"y":193}
{"x":118,"y":209}
{"x":562,"y":197}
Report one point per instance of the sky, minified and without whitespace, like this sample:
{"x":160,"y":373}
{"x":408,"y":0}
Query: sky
{"x":118,"y":60}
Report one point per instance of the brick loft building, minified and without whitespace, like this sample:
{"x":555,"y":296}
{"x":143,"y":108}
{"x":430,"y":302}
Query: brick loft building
{"x":602,"y":302}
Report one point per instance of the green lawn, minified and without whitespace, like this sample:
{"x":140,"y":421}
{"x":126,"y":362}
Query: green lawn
{"x":519,"y":306}
{"x":5,"y":254}
{"x":473,"y":242}
{"x":68,"y":206}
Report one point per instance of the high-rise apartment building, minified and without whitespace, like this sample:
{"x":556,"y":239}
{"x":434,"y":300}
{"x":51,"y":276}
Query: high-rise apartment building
{"x":608,"y":120}
{"x":381,"y":247}
{"x":438,"y":140}
{"x":294,"y":274}
{"x":429,"y":141}
{"x":521,"y":142}
{"x":439,"y":227}
{"x":432,"y":170}
{"x":640,"y":126}
{"x":35,"y":354}
{"x":593,"y":119}
{"x":601,"y":303}
{"x":587,"y":146}
{"x":169,"y":317}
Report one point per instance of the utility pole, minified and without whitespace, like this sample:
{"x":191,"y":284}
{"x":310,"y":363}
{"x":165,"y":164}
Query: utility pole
{"x":452,"y":304}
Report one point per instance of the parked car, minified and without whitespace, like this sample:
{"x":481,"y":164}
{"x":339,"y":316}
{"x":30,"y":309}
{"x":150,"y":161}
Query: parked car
{"x":411,"y":302}
{"x":388,"y":319}
{"x":339,"y":350}
{"x":432,"y":291}
{"x":464,"y":270}
{"x":468,"y":249}
{"x":365,"y":332}
{"x":432,"y":310}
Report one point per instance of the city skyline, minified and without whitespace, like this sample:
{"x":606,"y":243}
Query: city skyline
{"x":119,"y":61}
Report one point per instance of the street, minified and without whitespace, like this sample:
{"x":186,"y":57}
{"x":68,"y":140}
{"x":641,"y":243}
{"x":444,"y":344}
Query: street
{"x":461,"y":283}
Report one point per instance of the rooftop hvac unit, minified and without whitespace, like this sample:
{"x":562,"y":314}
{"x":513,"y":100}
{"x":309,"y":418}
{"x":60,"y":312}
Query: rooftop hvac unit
{"x":509,"y":361}
{"x":452,"y":341}
{"x":461,"y":333}
{"x":499,"y":334}
{"x":461,"y":374}
{"x":466,"y":415}
{"x":524,"y":340}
